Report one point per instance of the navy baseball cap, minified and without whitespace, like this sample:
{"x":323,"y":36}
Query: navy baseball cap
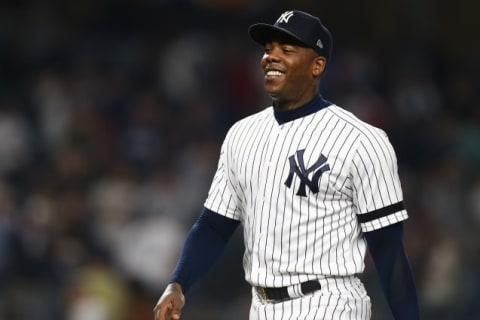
{"x":302,"y":26}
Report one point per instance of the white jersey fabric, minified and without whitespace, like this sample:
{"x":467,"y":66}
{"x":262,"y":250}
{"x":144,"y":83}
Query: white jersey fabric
{"x":305,"y":191}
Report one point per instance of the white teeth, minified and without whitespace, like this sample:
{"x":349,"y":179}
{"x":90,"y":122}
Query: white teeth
{"x":273,"y":73}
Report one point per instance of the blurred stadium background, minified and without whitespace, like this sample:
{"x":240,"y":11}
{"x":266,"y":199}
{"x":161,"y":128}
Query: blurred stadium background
{"x":111,"y":117}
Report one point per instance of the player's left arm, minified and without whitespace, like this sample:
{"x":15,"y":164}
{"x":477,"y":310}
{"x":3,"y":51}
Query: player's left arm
{"x":387,"y":249}
{"x":379,"y":200}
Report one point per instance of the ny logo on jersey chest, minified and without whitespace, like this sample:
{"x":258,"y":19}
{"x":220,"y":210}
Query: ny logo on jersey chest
{"x":297,"y":167}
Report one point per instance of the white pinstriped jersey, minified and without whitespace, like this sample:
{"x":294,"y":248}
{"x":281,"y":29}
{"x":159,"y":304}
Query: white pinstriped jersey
{"x":305,"y":190}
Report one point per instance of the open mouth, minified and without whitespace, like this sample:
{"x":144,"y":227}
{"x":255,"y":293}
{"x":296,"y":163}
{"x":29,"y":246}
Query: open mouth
{"x":273,"y":74}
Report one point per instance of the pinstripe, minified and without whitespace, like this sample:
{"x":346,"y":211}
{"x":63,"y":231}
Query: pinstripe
{"x":263,"y":153}
{"x":275,"y":222}
{"x":287,"y":282}
{"x":310,"y":207}
{"x":299,"y":225}
{"x":291,"y":238}
{"x":375,"y":173}
{"x":269,"y":213}
{"x":332,"y":247}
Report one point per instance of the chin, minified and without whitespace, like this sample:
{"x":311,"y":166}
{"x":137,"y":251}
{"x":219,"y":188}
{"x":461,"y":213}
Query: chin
{"x":272,"y":93}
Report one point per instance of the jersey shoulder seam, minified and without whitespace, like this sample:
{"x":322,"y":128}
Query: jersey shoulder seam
{"x":362,"y":127}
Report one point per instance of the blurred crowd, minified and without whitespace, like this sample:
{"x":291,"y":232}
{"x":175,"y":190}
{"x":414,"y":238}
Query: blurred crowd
{"x":112,"y":114}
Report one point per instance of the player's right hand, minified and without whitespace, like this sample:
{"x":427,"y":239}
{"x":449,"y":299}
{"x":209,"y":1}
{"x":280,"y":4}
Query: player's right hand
{"x":170,"y":304}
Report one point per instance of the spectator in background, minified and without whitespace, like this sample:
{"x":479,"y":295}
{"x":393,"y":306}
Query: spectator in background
{"x":72,"y":72}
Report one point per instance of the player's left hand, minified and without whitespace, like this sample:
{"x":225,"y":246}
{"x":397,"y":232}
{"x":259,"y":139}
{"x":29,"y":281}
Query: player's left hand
{"x":170,"y":304}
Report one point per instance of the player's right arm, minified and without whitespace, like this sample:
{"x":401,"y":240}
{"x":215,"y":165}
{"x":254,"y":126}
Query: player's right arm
{"x":203,"y":247}
{"x":204,"y":244}
{"x":170,"y":304}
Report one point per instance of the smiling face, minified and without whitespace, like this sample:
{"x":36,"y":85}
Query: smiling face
{"x":291,"y":71}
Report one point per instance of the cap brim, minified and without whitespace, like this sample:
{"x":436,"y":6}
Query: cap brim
{"x":263,"y":32}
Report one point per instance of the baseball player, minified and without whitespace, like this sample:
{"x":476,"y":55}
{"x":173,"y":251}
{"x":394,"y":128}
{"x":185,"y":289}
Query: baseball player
{"x":313,"y":187}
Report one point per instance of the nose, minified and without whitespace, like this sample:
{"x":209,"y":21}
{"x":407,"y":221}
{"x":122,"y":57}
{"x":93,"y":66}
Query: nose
{"x":270,"y":56}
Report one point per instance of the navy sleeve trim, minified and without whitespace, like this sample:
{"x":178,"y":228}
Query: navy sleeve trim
{"x":382,"y":212}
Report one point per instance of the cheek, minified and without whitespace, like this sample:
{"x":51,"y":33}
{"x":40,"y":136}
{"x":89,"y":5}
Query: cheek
{"x":263,"y":61}
{"x":304,"y":71}
{"x":299,"y":74}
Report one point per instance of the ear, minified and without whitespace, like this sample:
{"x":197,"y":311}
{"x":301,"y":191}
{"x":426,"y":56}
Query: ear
{"x":319,"y":64}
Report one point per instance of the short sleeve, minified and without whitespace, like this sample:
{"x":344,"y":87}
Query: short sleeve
{"x":377,"y":188}
{"x":223,"y":197}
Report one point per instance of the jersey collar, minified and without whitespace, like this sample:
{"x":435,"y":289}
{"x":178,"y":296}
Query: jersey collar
{"x":314,"y":105}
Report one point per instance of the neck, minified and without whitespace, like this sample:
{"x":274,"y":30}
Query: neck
{"x":283,"y":104}
{"x":317,"y":103}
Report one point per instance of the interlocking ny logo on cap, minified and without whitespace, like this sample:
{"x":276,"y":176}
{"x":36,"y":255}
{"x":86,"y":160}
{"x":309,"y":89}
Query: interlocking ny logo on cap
{"x":285,"y":17}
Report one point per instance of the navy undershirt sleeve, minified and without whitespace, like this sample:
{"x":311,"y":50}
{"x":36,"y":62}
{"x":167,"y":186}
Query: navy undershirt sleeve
{"x":387,"y":249}
{"x":203,"y":247}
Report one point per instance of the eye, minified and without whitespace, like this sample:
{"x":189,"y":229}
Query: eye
{"x":288,"y":49}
